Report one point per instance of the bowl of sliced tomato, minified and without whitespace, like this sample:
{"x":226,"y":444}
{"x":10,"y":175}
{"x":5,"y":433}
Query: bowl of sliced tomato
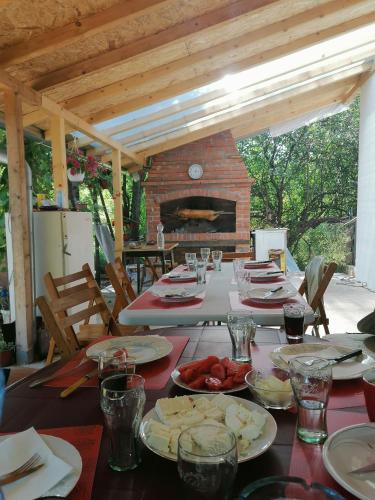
{"x":211,"y":374}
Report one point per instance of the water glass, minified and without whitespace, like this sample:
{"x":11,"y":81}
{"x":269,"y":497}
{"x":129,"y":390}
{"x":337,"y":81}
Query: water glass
{"x":238,"y":266}
{"x":205,"y":254}
{"x":369,"y":391}
{"x":201,"y":269}
{"x":294,"y":318}
{"x":114,"y":361}
{"x":242,"y":330}
{"x":122,"y":401}
{"x":217,"y":255}
{"x":244,"y":283}
{"x":207,"y":462}
{"x":191,"y":261}
{"x":311,"y":380}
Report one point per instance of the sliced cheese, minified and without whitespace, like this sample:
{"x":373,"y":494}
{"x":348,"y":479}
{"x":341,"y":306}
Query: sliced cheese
{"x":169,"y":406}
{"x":222,"y":401}
{"x":159,"y":441}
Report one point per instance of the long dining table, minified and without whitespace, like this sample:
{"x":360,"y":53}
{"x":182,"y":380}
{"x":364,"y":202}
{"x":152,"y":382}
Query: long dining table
{"x":157,"y":478}
{"x":220,"y":296}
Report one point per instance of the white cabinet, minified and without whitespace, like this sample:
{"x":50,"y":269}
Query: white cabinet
{"x":265,"y":239}
{"x":61,"y":243}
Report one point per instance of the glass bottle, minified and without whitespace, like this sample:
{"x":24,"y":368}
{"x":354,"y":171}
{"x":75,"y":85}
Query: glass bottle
{"x":160,"y":236}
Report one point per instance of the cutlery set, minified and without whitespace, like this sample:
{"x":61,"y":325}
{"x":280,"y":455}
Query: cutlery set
{"x":32,"y":465}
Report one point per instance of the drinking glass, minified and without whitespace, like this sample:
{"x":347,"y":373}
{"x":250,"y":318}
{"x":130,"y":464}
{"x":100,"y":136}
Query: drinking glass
{"x":243,"y":283}
{"x":201,"y":269}
{"x":191,"y":261}
{"x":294,"y":317}
{"x":311,"y":380}
{"x":113,"y":361}
{"x":207,"y":462}
{"x":238,"y":265}
{"x":205,"y":254}
{"x":217,"y":255}
{"x":369,"y":391}
{"x":242,"y":330}
{"x":122,"y":401}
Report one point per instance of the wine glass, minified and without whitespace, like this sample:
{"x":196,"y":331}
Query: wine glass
{"x":205,"y":254}
{"x":207,"y":462}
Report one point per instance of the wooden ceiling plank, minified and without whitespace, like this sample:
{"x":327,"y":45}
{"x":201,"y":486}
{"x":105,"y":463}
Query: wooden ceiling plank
{"x":73,"y":32}
{"x":211,"y":127}
{"x":210,"y":76}
{"x":147,"y":43}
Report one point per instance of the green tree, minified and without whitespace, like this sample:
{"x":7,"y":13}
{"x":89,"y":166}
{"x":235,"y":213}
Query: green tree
{"x":305,"y":178}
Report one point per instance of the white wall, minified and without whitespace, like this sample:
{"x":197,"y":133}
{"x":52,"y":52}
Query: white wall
{"x":365,"y":238}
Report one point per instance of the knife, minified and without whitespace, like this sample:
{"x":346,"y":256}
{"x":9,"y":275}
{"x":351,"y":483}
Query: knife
{"x":43,"y":380}
{"x":366,"y":468}
{"x":271,"y":292}
{"x":66,"y":392}
{"x":347,"y":356}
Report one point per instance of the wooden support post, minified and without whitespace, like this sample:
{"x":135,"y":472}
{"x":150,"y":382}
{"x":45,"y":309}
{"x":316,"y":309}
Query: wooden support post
{"x":60,"y":179}
{"x":20,"y":224}
{"x":117,"y":198}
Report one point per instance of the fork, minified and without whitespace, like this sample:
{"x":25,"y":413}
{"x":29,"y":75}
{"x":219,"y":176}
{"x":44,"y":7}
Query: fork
{"x":29,"y":464}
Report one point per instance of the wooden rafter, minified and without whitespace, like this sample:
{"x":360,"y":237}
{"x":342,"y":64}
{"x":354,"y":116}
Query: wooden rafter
{"x":350,"y":95}
{"x":231,"y":119}
{"x":73,"y":32}
{"x":54,"y":108}
{"x":147,"y":43}
{"x":304,"y":35}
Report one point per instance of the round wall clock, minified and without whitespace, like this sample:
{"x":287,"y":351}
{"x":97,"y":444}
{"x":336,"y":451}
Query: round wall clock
{"x":195,"y":171}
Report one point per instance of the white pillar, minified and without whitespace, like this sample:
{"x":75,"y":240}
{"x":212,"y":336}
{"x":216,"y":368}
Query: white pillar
{"x":365,"y":237}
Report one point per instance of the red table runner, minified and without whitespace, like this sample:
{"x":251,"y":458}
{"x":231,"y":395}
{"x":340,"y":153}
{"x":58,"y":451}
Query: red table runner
{"x":156,"y":373}
{"x":306,"y":460}
{"x":87,"y":441}
{"x":149,"y":301}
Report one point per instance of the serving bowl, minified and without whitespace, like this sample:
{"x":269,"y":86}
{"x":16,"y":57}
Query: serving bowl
{"x":270,"y":389}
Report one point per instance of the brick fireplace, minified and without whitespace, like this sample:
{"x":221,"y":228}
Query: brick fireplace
{"x":213,"y":210}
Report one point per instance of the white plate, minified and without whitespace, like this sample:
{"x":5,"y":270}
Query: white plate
{"x":67,"y":452}
{"x":260,"y":295}
{"x":175,"y":376}
{"x":253,"y":264}
{"x":182,"y":276}
{"x":346,"y":370}
{"x":347,"y":449}
{"x":141,"y":348}
{"x":266,"y":278}
{"x":257,"y":447}
{"x":177,"y":294}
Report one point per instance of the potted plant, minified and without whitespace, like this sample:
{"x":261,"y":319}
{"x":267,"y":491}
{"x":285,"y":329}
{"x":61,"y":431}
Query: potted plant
{"x":75,"y":166}
{"x":6,"y":352}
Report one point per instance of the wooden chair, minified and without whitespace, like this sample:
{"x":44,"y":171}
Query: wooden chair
{"x":229,"y":256}
{"x":316,"y":302}
{"x":71,"y":287}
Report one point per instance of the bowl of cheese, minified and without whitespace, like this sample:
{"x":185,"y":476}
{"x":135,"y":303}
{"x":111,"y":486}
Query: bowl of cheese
{"x":269,"y":390}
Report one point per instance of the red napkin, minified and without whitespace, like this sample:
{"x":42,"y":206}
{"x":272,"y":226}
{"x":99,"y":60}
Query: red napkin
{"x":279,"y":279}
{"x":87,"y":441}
{"x":148,"y":301}
{"x":256,"y":266}
{"x":306,"y":460}
{"x":168,"y":281}
{"x":156,"y":373}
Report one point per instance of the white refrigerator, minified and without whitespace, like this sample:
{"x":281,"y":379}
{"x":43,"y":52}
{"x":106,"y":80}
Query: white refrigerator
{"x":61,"y":243}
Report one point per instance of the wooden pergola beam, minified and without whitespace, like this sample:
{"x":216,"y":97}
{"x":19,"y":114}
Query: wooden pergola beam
{"x":203,"y":57}
{"x":232,"y":118}
{"x":147,"y":43}
{"x":20,"y":225}
{"x":59,"y":171}
{"x":118,"y":200}
{"x":34,"y":117}
{"x":56,"y":109}
{"x":73,"y":32}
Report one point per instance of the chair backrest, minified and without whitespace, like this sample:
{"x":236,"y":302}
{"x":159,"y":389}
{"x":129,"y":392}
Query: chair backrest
{"x":322,"y":277}
{"x":84,"y":295}
{"x":229,"y":256}
{"x":66,"y":344}
{"x":120,"y":281}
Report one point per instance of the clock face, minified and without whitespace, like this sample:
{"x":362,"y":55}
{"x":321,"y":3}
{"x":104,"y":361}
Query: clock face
{"x":195,"y":171}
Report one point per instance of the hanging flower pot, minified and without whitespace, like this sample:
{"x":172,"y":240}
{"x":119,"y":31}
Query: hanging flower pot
{"x":75,"y":176}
